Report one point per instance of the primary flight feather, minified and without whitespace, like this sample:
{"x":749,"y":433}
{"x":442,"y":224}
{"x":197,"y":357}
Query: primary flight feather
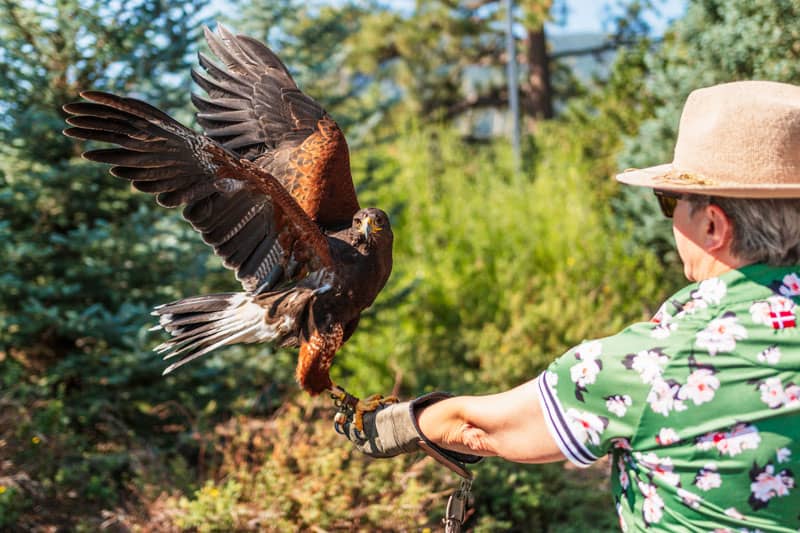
{"x":268,"y":186}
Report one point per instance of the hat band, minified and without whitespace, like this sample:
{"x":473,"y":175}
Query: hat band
{"x":678,"y":177}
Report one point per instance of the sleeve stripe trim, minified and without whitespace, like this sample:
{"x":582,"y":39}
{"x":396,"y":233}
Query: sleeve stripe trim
{"x":576,"y":452}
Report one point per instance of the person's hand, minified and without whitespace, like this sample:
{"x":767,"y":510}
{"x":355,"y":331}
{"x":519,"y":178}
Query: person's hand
{"x":392,"y":429}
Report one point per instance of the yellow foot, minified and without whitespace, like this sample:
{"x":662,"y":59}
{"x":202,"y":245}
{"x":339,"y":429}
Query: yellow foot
{"x":353,"y":409}
{"x":370,"y":403}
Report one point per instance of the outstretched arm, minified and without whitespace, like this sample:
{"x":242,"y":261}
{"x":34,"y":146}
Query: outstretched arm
{"x":510,"y":425}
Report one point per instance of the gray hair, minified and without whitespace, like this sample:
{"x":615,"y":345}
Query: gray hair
{"x":765,"y":230}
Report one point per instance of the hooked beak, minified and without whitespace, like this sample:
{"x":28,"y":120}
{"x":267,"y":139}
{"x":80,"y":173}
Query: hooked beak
{"x":369,"y":226}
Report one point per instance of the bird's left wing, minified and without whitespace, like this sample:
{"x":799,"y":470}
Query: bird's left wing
{"x":243,"y":212}
{"x":254,"y":108}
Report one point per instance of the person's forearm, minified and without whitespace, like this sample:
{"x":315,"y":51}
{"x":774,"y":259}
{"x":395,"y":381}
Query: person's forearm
{"x":445,"y":423}
{"x":509,"y":424}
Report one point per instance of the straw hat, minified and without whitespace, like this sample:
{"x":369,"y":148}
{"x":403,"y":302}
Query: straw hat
{"x":738,"y":139}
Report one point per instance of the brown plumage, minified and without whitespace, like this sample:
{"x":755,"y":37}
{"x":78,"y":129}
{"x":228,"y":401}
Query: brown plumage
{"x":268,"y":186}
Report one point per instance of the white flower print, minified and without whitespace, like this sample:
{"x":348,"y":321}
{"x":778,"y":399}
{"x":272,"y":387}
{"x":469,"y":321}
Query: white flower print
{"x":741,"y":437}
{"x":659,"y":466}
{"x":585,"y":371}
{"x":783,"y":455}
{"x":618,"y":404}
{"x":663,"y":329}
{"x":551,"y":378}
{"x":772,"y":392}
{"x":689,"y":498}
{"x":653,"y":506}
{"x":699,"y":387}
{"x":768,"y":484}
{"x":775,"y":395}
{"x":648,"y":363}
{"x":710,"y":290}
{"x":792,"y":393}
{"x":771,"y":355}
{"x":708,"y":478}
{"x":667,"y":436}
{"x":734,"y":513}
{"x":589,"y":350}
{"x":586,"y":426}
{"x":760,"y":311}
{"x":690,"y":307}
{"x":721,"y":334}
{"x":663,"y":397}
{"x":791,"y":285}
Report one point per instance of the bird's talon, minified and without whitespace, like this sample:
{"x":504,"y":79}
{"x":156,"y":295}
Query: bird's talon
{"x":349,"y":408}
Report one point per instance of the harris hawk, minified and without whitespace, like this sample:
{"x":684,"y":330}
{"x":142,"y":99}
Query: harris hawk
{"x":268,"y":186}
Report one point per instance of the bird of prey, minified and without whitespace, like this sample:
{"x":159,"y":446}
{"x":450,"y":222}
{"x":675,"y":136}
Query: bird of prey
{"x":268,"y":186}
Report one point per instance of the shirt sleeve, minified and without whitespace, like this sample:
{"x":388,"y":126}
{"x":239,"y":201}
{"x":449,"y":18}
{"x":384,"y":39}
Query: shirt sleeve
{"x":594,"y":395}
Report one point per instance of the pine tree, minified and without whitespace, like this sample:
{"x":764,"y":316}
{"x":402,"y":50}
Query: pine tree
{"x":82,"y":403}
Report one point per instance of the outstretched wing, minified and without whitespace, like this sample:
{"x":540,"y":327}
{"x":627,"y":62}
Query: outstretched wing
{"x":241,"y":211}
{"x":255,"y":109}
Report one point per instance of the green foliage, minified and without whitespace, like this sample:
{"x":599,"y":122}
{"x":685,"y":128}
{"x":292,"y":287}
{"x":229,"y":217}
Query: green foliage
{"x":494,"y":275}
{"x":83,"y":407}
{"x":53,"y":49}
{"x":292,"y":473}
{"x":11,"y":503}
{"x":541,"y":498}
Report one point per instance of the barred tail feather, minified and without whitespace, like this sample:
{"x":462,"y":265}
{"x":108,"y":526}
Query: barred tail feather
{"x":201,"y":324}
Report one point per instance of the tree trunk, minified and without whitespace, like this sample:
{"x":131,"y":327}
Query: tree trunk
{"x":537,"y":92}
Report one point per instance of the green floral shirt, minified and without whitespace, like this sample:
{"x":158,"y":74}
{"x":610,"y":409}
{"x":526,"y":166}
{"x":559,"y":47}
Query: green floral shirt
{"x":699,"y":408}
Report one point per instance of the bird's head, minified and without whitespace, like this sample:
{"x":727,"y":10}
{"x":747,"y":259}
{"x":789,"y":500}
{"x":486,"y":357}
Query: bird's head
{"x":371,"y":225}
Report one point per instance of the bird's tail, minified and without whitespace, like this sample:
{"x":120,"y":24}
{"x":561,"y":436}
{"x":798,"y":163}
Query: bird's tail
{"x":201,"y":324}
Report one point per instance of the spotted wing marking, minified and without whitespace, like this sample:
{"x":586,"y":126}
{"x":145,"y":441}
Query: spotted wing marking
{"x":315,"y":174}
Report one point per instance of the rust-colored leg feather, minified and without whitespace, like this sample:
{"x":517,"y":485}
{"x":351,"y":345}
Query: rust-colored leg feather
{"x":314,"y":361}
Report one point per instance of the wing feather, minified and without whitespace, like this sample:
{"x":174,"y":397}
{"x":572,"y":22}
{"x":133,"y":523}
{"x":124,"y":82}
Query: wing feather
{"x":123,"y":157}
{"x":220,"y":104}
{"x":149,"y":174}
{"x":254,"y":108}
{"x":240,"y":210}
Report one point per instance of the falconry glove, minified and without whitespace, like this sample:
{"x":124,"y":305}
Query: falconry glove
{"x":393,"y":429}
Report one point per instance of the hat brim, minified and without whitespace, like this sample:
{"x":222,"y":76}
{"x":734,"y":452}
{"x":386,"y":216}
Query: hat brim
{"x":668,"y":178}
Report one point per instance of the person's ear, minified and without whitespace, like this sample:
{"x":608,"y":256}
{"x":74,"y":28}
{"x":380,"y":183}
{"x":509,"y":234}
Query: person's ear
{"x":718,"y":229}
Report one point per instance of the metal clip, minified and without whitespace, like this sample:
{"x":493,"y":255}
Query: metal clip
{"x":456,"y":510}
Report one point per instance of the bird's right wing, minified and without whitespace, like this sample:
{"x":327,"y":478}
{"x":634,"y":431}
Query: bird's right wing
{"x":243,"y":212}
